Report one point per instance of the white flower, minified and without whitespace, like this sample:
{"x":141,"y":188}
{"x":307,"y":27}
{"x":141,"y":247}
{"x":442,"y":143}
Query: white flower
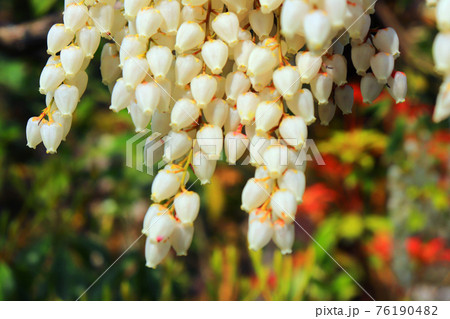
{"x":184,"y":113}
{"x":170,"y":11}
{"x":442,"y":110}
{"x":246,"y":105}
{"x":162,"y":227}
{"x":72,"y":59}
{"x":187,"y":67}
{"x":52,"y":134}
{"x":361,"y":55}
{"x":210,"y":141}
{"x":233,"y":120}
{"x":151,"y":215}
{"x":33,"y":132}
{"x":215,"y":55}
{"x":135,"y":69}
{"x":254,"y":194}
{"x":382,"y":65}
{"x":261,"y":23}
{"x":276,"y":159}
{"x":261,"y":61}
{"x":386,"y":40}
{"x":132,"y":45}
{"x":336,"y":67}
{"x":147,"y":96}
{"x":343,"y":97}
{"x":235,"y":145}
{"x":155,"y":252}
{"x":258,"y":145}
{"x":66,"y":99}
{"x":192,"y":12}
{"x":259,"y":82}
{"x":268,"y":115}
{"x":176,"y":145}
{"x":187,"y":206}
{"x":51,"y":77}
{"x":132,"y":7}
{"x":241,"y":53}
{"x":165,"y":90}
{"x":317,"y":30}
{"x":181,"y":238}
{"x":140,"y":119}
{"x":302,"y":104}
{"x":58,"y":37}
{"x":284,"y":205}
{"x":294,"y":181}
{"x":370,"y":88}
{"x":165,"y":185}
{"x":89,"y":39}
{"x":260,"y":229}
{"x":326,"y":112}
{"x":203,"y":167}
{"x":103,"y":17}
{"x":121,"y":96}
{"x":160,"y":123}
{"x":236,"y":83}
{"x":226,"y":26}
{"x":190,"y":35}
{"x":216,"y":112}
{"x":292,"y":16}
{"x":80,"y":80}
{"x":321,"y":87}
{"x":109,"y":64}
{"x":159,"y":60}
{"x":75,"y":16}
{"x":308,"y":65}
{"x":269,"y":5}
{"x":441,"y":52}
{"x":65,"y":121}
{"x":336,"y":10}
{"x":283,"y":236}
{"x":398,"y":87}
{"x":443,"y":15}
{"x":287,"y":81}
{"x":294,"y":131}
{"x":203,"y":88}
{"x":148,"y":21}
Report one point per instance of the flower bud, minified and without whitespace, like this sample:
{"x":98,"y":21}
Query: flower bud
{"x":203,"y":167}
{"x":151,"y":216}
{"x":203,"y":88}
{"x":326,"y":113}
{"x":287,"y":81}
{"x":66,"y":99}
{"x":51,"y":133}
{"x":321,"y":87}
{"x":268,"y":6}
{"x":135,"y":69}
{"x":186,"y":68}
{"x":75,"y":16}
{"x":148,"y":21}
{"x":284,"y":205}
{"x":308,"y":65}
{"x":226,"y":26}
{"x":215,"y":55}
{"x":361,"y":55}
{"x":132,"y":7}
{"x":336,"y":67}
{"x":398,"y":87}
{"x":382,"y":65}
{"x":176,"y":145}
{"x":302,"y":104}
{"x":58,"y":37}
{"x":294,"y":131}
{"x":370,"y":88}
{"x":283,"y":236}
{"x":184,"y":113}
{"x":261,"y":23}
{"x":343,"y":96}
{"x":236,"y":83}
{"x":254,"y":194}
{"x":102,"y":16}
{"x":155,"y":252}
{"x":261,"y":60}
{"x":267,"y":115}
{"x":181,"y":238}
{"x":386,"y":40}
{"x":121,"y":96}
{"x":276,"y":159}
{"x":260,"y":229}
{"x":294,"y":181}
{"x":216,"y":112}
{"x":147,"y":96}
{"x":170,"y":11}
{"x":441,"y":52}
{"x":246,"y":105}
{"x":235,"y":145}
{"x":51,"y":77}
{"x":292,"y":16}
{"x":187,"y":206}
{"x":241,"y":53}
{"x":233,"y":120}
{"x":33,"y":132}
{"x":317,"y":30}
{"x":210,"y":141}
{"x":159,"y":60}
{"x":165,"y":185}
{"x":71,"y":59}
{"x":190,"y":35}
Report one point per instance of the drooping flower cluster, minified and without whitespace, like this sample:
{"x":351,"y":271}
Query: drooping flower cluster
{"x":441,"y":55}
{"x":218,"y":76}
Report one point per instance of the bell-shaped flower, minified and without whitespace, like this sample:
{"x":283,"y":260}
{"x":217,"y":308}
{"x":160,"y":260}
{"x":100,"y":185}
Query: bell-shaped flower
{"x":254,"y":194}
{"x":292,"y":16}
{"x":159,"y":60}
{"x":317,"y":28}
{"x":226,"y":26}
{"x":370,"y":88}
{"x":236,"y":83}
{"x":52,"y":134}
{"x":343,"y":97}
{"x":284,"y":205}
{"x":176,"y":145}
{"x":287,"y":81}
{"x":51,"y":77}
{"x":321,"y":87}
{"x":66,"y":98}
{"x":260,"y":229}
{"x":210,"y":141}
{"x":148,"y":21}
{"x":235,"y":145}
{"x":386,"y":40}
{"x":216,"y":112}
{"x":241,"y":54}
{"x":361,"y":55}
{"x":326,"y":112}
{"x":382,"y":65}
{"x":261,"y":61}
{"x":215,"y":55}
{"x":121,"y":96}
{"x":165,"y":185}
{"x":155,"y":252}
{"x":187,"y":67}
{"x":302,"y":104}
{"x":151,"y":216}
{"x":187,"y":206}
{"x":203,"y":167}
{"x":294,"y":181}
{"x":181,"y":238}
{"x":268,"y":6}
{"x":58,"y":37}
{"x":190,"y":35}
{"x":147,"y":96}
{"x":184,"y":113}
{"x":294,"y":131}
{"x":261,"y":23}
{"x":268,"y":115}
{"x":246,"y":105}
{"x":397,"y":87}
{"x":89,"y":39}
{"x":283,"y":236}
{"x":132,"y":7}
{"x":203,"y":88}
{"x":135,"y":69}
{"x":75,"y":16}
{"x":171,"y":12}
{"x":308,"y":65}
{"x":276,"y":159}
{"x":233,"y":120}
{"x":33,"y":132}
{"x":441,"y":52}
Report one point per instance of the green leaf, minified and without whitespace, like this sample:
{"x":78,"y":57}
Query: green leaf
{"x":41,"y":7}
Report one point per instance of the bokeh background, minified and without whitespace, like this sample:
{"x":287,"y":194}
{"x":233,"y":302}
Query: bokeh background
{"x":380,"y":205}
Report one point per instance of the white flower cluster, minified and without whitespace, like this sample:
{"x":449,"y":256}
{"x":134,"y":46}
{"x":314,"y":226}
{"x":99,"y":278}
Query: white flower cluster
{"x":213,"y":76}
{"x":441,"y":54}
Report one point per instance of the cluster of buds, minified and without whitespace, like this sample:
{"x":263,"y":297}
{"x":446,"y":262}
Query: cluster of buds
{"x":219,"y":76}
{"x":441,"y":55}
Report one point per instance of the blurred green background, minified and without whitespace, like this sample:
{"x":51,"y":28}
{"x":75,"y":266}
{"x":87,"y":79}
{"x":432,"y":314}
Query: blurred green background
{"x":380,"y":205}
